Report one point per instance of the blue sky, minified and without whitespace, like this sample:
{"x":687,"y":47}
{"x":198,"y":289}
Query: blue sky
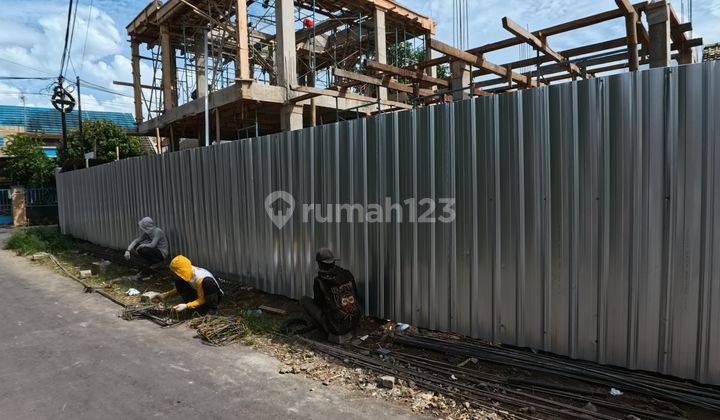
{"x":33,"y":31}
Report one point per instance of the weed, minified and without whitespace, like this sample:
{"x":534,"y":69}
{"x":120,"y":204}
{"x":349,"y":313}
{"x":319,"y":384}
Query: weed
{"x":38,"y":239}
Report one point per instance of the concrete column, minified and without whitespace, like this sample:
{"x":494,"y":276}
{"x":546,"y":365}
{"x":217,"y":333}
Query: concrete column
{"x":461,"y":76}
{"x":380,"y":45}
{"x":243,"y":55}
{"x":19,"y":207}
{"x":200,"y":76}
{"x":169,"y":72}
{"x":285,"y":52}
{"x":430,"y":71}
{"x":291,"y":115}
{"x":658,"y":16}
{"x":137,"y":88}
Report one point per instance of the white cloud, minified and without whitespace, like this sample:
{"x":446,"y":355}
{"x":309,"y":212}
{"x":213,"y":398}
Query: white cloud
{"x":484,"y":21}
{"x":31,"y":44}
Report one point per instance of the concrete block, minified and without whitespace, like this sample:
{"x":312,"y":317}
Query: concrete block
{"x":387,"y":382}
{"x":99,"y":267}
{"x":39,"y":256}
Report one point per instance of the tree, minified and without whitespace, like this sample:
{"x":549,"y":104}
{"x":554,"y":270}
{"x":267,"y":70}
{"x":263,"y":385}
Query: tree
{"x":107,"y":134}
{"x":28,"y":165}
{"x":404,"y":54}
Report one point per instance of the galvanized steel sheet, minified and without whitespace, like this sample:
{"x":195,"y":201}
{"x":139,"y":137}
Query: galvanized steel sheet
{"x":585,"y":221}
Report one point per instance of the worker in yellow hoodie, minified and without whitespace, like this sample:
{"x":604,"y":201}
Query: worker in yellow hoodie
{"x":197,"y":287}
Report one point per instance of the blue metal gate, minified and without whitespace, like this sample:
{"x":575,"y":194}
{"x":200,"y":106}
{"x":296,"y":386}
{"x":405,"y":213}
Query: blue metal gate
{"x":42,"y":208}
{"x":5,"y":207}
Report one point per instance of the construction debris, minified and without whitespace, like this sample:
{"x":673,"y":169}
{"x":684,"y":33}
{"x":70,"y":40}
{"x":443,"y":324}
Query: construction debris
{"x":39,"y":256}
{"x":387,"y":381}
{"x":644,"y":384}
{"x":99,"y":267}
{"x":220,"y":330}
{"x":164,"y":317}
{"x":272,"y":310}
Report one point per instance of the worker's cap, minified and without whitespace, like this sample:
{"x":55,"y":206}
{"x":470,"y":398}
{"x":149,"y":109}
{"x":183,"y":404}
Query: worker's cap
{"x":181,"y":266}
{"x":325,"y":255}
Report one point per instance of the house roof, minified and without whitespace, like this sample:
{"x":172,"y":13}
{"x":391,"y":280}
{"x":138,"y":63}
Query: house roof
{"x":47,"y":120}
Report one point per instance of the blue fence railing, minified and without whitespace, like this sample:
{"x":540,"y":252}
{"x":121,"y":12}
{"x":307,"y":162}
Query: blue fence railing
{"x":5,"y":207}
{"x":41,"y":197}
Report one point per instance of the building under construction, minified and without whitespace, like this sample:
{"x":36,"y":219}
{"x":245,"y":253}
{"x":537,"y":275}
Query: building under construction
{"x":266,"y":66}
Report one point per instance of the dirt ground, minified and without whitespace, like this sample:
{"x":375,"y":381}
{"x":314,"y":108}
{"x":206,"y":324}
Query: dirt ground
{"x":373,"y":337}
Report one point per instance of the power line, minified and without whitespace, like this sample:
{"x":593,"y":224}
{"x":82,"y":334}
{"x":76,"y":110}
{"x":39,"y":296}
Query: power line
{"x":67,"y":37}
{"x":103,"y":89}
{"x":23,"y":65}
{"x":87,"y":29}
{"x":72,"y":37}
{"x":24,"y":78}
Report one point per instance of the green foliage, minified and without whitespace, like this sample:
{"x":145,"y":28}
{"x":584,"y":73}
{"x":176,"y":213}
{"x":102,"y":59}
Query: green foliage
{"x":404,"y":54}
{"x":38,"y":239}
{"x":28,"y":165}
{"x":107,"y":134}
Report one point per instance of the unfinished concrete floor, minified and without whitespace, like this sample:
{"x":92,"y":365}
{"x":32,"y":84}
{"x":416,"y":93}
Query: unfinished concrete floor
{"x":65,"y":354}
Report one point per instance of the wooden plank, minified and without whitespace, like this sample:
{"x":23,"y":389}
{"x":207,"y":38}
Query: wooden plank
{"x":346,"y":95}
{"x":545,"y":32}
{"x":358,"y":77}
{"x":631,"y":23}
{"x":539,"y":44}
{"x":585,"y":49}
{"x":480,"y":62}
{"x":130,"y":84}
{"x":136,"y":85}
{"x":415,"y":75}
{"x":169,"y":75}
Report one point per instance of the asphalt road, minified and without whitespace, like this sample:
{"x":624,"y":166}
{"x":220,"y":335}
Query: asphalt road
{"x":65,"y":354}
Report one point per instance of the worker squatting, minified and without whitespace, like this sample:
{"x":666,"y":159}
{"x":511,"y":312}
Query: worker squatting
{"x":334,"y":306}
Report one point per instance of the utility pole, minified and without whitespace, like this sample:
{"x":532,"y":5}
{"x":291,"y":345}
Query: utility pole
{"x":62,"y":112}
{"x":207,"y":92}
{"x":80,"y":124}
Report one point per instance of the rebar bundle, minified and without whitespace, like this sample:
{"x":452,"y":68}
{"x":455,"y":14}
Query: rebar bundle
{"x":653,"y":386}
{"x":522,"y":398}
{"x":220,"y":330}
{"x":160,"y":316}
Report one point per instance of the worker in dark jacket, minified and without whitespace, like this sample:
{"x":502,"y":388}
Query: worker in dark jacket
{"x":335,"y":306}
{"x":198,"y":288}
{"x":151,"y":245}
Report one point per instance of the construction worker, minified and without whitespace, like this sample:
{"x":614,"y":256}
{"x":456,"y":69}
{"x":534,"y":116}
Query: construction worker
{"x":197,"y":287}
{"x":335,"y":306}
{"x":151,"y":245}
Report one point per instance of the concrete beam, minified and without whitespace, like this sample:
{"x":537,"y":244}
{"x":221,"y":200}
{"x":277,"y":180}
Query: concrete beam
{"x":255,"y":92}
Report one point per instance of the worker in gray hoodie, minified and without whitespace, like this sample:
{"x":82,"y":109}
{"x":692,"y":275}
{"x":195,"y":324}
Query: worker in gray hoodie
{"x":151,"y":245}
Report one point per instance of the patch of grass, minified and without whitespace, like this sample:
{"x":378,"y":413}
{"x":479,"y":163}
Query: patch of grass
{"x":260,"y":324}
{"x":38,"y":239}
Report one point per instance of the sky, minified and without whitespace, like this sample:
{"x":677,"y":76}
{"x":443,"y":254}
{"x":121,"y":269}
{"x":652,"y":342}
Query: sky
{"x":32,"y":35}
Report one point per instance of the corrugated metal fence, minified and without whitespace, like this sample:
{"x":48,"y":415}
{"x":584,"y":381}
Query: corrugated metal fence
{"x":586,"y":215}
